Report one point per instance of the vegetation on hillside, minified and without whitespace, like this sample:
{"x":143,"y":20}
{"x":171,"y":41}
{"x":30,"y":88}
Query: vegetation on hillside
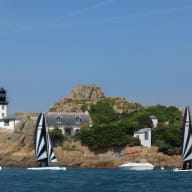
{"x":112,"y":129}
{"x":57,"y":136}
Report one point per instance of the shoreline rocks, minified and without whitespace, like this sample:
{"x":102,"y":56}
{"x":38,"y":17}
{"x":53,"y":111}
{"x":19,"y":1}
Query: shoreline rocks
{"x":17,"y":150}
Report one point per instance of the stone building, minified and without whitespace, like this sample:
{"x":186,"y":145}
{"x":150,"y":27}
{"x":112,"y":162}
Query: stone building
{"x":69,"y":123}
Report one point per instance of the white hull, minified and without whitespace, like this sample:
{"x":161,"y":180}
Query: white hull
{"x":47,"y":168}
{"x":181,"y":170}
{"x":137,"y":166}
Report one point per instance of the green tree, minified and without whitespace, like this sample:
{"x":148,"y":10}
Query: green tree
{"x":102,"y":112}
{"x":106,"y":135}
{"x":57,"y":136}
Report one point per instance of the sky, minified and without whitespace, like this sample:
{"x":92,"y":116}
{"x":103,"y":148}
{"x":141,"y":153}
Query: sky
{"x":137,"y":49}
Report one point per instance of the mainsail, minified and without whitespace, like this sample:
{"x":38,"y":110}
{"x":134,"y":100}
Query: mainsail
{"x":43,"y":146}
{"x":187,"y":137}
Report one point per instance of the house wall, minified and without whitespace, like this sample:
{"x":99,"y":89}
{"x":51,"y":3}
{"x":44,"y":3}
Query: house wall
{"x":145,"y":138}
{"x":7,"y":124}
{"x":155,"y":122}
{"x":65,"y":129}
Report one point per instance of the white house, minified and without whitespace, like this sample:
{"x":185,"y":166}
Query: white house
{"x":8,"y":122}
{"x":154,"y":121}
{"x":145,"y":136}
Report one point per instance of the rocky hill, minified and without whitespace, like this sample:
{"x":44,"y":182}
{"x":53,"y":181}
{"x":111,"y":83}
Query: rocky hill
{"x":17,"y":147}
{"x":83,"y":95}
{"x":17,"y":150}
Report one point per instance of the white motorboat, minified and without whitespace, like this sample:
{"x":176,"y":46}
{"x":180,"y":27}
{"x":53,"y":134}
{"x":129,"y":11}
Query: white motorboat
{"x":141,"y":166}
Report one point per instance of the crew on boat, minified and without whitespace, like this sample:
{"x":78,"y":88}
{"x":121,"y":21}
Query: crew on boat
{"x":187,"y":165}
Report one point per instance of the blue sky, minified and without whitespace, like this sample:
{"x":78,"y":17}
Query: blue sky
{"x":137,"y":49}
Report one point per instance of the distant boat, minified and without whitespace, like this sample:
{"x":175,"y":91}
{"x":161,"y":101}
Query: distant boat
{"x":186,"y":143}
{"x":141,"y":166}
{"x":132,"y":152}
{"x":43,"y":147}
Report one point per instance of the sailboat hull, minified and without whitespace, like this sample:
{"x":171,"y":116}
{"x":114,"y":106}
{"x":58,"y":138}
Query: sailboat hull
{"x":47,"y":168}
{"x":181,"y":170}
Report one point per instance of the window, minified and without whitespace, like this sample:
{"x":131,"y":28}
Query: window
{"x":77,"y":119}
{"x":3,"y":114}
{"x":146,"y":135}
{"x":6,"y":122}
{"x":59,"y":119}
{"x":3,"y":107}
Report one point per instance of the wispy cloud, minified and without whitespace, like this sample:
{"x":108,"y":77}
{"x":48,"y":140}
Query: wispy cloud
{"x":95,"y":6}
{"x":18,"y":26}
{"x":149,"y":13}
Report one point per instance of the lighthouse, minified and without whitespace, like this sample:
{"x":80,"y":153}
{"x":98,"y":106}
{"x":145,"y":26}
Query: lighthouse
{"x":3,"y":104}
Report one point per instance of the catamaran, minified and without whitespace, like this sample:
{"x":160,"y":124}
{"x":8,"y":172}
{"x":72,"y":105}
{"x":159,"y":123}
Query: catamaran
{"x":186,"y":143}
{"x":43,"y":147}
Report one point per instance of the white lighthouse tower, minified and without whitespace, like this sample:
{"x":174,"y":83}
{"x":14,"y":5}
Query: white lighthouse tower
{"x":3,"y":104}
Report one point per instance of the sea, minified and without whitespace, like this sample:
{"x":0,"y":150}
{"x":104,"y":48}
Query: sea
{"x":94,"y":180}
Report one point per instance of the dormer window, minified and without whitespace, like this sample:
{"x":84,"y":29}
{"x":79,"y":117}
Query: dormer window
{"x":77,"y":119}
{"x":59,"y":119}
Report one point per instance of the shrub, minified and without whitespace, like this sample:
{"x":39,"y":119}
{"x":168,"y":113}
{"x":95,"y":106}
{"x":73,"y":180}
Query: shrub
{"x":102,"y":112}
{"x":57,"y":136}
{"x":133,"y":141}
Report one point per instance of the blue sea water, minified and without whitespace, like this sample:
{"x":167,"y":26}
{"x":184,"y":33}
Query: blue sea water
{"x":94,"y":180}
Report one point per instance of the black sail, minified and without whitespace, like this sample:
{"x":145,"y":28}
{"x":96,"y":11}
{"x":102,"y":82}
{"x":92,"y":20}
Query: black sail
{"x":187,"y":136}
{"x":43,"y":146}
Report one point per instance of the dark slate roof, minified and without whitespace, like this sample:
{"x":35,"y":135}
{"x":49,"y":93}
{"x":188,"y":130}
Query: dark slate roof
{"x":143,"y":130}
{"x":54,"y":118}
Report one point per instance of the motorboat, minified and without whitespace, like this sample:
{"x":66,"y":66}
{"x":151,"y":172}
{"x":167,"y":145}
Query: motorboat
{"x":137,"y":166}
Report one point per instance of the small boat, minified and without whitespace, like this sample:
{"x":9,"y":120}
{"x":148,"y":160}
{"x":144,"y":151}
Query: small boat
{"x":162,"y":168}
{"x":43,"y":147}
{"x":142,"y":166}
{"x":132,"y":152}
{"x":186,"y":143}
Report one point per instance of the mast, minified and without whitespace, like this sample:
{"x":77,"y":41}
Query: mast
{"x":47,"y":135}
{"x":187,"y":138}
{"x":50,"y":152}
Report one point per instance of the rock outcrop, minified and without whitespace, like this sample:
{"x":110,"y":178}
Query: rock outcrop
{"x":83,"y":95}
{"x":92,"y":92}
{"x":17,"y":147}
